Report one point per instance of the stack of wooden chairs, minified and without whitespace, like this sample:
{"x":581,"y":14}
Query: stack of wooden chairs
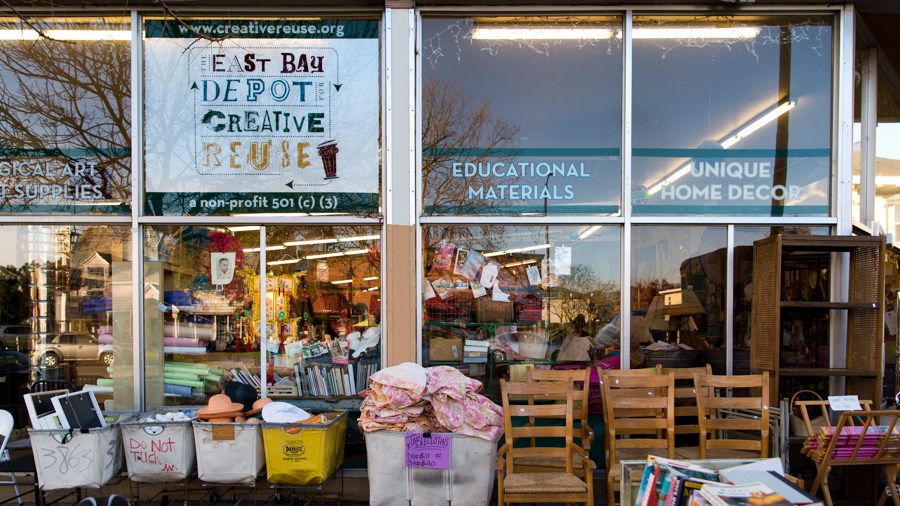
{"x":640,"y":408}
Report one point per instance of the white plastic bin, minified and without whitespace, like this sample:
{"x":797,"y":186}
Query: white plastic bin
{"x":229,"y":452}
{"x":157,"y":452}
{"x":469,"y":481}
{"x":74,"y":459}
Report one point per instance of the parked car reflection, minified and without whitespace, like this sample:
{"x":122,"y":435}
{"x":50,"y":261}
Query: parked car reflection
{"x":73,"y":347}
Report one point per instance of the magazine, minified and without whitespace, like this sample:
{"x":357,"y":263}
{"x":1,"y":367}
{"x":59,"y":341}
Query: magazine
{"x":753,"y":494}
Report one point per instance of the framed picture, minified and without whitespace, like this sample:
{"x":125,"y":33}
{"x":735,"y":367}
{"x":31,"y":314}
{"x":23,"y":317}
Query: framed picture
{"x":41,"y":410}
{"x":222,"y":268}
{"x":78,"y":410}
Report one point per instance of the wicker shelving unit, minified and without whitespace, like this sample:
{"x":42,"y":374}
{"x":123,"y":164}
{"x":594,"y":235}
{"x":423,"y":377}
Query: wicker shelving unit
{"x":865,"y":309}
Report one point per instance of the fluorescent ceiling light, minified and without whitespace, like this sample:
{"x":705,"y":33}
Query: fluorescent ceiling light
{"x":243,"y":229}
{"x":268,"y":248}
{"x":269,"y":215}
{"x":313,"y":241}
{"x":326,"y":214}
{"x":373,"y":278}
{"x":517,"y":250}
{"x":283,"y":262}
{"x":696,"y":32}
{"x":526,"y":262}
{"x":590,"y":231}
{"x":756,"y":125}
{"x":881,"y":180}
{"x":555,"y":33}
{"x":360,"y":238}
{"x":671,"y":179}
{"x":342,"y":282}
{"x":324,"y":255}
{"x":29,"y":34}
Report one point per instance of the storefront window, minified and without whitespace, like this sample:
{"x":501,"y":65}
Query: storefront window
{"x":497,"y":298}
{"x":887,"y":157}
{"x":521,"y":116}
{"x":65,"y":116}
{"x":678,"y":290}
{"x":66,"y":312}
{"x":744,"y":126}
{"x":282,"y":116}
{"x":203,"y":325}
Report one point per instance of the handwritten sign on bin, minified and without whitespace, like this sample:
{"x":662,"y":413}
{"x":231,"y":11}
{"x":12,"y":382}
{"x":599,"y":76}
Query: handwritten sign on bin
{"x":431,"y":451}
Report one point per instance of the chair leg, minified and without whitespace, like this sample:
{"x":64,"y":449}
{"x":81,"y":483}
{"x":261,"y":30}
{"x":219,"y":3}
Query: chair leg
{"x":610,"y":492}
{"x":16,"y":487}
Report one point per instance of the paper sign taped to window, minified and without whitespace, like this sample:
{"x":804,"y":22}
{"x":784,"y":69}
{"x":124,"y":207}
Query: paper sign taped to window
{"x":431,"y":451}
{"x":844,"y":402}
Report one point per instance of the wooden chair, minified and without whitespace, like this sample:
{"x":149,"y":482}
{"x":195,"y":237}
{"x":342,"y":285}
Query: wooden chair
{"x":732,"y":448}
{"x":516,"y":486}
{"x":636,"y":405}
{"x":686,"y":405}
{"x":584,"y":433}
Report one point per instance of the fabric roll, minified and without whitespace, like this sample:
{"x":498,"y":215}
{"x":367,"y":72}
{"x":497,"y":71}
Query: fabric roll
{"x":183,"y":350}
{"x":105,"y":329}
{"x":105,"y":339}
{"x":183,"y":341}
{"x":191,"y":331}
{"x":105,"y":382}
{"x":179,"y":390}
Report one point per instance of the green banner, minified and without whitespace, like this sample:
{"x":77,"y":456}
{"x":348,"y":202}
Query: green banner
{"x":261,"y":29}
{"x":224,"y":204}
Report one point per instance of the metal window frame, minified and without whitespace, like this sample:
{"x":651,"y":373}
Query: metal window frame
{"x":839,"y":182}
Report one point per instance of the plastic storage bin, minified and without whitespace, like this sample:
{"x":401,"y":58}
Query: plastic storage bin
{"x":300,"y":454}
{"x":158,"y":452}
{"x":229,"y":452}
{"x":67,"y":459}
{"x":469,"y":481}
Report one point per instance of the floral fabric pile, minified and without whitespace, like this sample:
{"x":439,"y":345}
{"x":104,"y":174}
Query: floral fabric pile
{"x":410,"y":398}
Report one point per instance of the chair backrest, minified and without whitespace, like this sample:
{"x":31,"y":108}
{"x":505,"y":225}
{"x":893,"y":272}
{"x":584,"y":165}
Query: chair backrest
{"x":685,"y":395}
{"x":571,"y":375}
{"x":47,"y":385}
{"x":538,"y":389}
{"x":712,"y":402}
{"x":640,"y":404}
{"x":7,"y":422}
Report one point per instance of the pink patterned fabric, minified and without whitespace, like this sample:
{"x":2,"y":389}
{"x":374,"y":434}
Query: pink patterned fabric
{"x":447,"y":401}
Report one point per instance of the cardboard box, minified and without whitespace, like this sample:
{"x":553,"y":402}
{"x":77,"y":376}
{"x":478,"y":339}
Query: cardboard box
{"x":445,"y":350}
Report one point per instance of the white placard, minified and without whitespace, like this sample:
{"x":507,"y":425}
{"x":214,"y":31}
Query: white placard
{"x":844,"y":402}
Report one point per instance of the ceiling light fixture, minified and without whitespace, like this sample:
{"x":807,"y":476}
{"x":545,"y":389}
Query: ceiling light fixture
{"x":696,"y":32}
{"x":756,"y":125}
{"x":29,"y":34}
{"x":590,"y":231}
{"x":543,"y":33}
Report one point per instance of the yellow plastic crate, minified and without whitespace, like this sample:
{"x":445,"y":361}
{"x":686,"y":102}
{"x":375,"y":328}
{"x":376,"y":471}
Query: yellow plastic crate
{"x":300,"y":454}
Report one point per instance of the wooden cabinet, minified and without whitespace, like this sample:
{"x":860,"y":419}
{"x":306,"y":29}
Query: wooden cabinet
{"x":783,"y":305}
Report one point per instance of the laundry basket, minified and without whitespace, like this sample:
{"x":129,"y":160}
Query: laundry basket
{"x":72,"y":459}
{"x":301,"y":454}
{"x":158,"y":452}
{"x":229,"y":452}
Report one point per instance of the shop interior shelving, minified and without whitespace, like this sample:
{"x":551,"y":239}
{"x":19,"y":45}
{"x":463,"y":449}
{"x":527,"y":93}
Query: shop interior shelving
{"x":782,"y":257}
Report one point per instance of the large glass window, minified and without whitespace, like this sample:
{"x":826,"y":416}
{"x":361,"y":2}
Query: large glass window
{"x":887,"y":156}
{"x":282,"y":116}
{"x":498,"y":298}
{"x":204,"y":324}
{"x":732,"y":115}
{"x":521,"y":116}
{"x":65,"y":116}
{"x":66,"y":305}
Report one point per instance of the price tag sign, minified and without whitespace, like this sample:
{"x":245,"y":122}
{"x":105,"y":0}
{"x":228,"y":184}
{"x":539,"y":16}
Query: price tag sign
{"x":844,"y":402}
{"x":430,"y":451}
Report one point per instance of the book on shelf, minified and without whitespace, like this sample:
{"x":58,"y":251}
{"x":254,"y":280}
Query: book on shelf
{"x":333,"y":380}
{"x":775,"y":481}
{"x":751,"y":494}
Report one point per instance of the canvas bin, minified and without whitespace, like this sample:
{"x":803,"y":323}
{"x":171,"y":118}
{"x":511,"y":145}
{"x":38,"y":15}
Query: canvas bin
{"x":157,"y":452}
{"x":468,"y":482}
{"x":300,"y":454}
{"x":70,"y":459}
{"x":229,"y":452}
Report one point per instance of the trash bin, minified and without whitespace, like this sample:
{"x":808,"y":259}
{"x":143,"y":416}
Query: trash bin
{"x":158,"y":452}
{"x":229,"y":453}
{"x":469,"y":481}
{"x":300,"y":454}
{"x":72,"y":459}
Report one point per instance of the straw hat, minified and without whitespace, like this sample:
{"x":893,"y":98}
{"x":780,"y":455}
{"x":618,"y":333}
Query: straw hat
{"x":258,"y":406}
{"x":221,"y":420}
{"x":242,"y":393}
{"x":228,"y":414}
{"x":253,"y":420}
{"x":239,"y":419}
{"x":220,"y":404}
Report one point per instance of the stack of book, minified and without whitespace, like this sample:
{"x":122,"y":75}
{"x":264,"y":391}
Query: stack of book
{"x":475,"y":352}
{"x":816,"y":445}
{"x":675,"y":483}
{"x":323,"y":380}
